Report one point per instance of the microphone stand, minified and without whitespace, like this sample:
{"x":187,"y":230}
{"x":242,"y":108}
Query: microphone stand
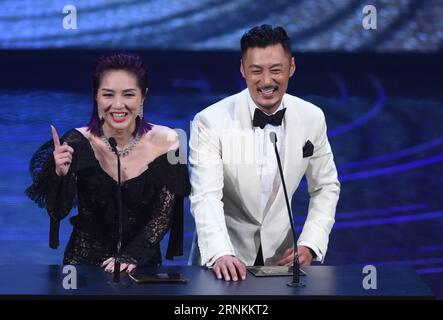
{"x":296,"y":282}
{"x":117,"y":261}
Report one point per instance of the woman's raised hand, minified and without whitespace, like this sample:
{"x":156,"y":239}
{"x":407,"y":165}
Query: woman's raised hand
{"x":62,"y":155}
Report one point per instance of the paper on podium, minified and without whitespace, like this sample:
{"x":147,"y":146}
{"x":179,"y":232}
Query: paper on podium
{"x":272,"y":271}
{"x":157,"y":277}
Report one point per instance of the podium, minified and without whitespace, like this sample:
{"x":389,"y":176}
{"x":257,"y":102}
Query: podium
{"x":322,"y":282}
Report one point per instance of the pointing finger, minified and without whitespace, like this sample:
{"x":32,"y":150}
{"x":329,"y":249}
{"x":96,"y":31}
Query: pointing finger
{"x":55,"y":137}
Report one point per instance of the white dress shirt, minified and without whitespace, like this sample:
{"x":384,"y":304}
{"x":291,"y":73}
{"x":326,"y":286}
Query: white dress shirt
{"x":265,"y":157}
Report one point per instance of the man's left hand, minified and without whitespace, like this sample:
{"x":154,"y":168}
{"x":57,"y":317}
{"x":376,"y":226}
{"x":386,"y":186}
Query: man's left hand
{"x":304,"y":256}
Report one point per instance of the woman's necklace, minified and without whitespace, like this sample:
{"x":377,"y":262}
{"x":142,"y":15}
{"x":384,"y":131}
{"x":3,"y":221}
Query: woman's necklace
{"x":125,"y":151}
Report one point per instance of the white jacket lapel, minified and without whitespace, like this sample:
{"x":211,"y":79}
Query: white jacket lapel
{"x":247,"y":171}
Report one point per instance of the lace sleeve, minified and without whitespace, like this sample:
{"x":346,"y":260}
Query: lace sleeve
{"x":48,"y":190}
{"x":57,"y":194}
{"x":153,"y":232}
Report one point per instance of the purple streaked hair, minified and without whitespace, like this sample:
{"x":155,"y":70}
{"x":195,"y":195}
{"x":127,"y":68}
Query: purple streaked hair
{"x":129,"y":62}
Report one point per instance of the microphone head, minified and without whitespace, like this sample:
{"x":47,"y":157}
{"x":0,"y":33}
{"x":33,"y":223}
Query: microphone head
{"x":273,"y":137}
{"x":113,"y":144}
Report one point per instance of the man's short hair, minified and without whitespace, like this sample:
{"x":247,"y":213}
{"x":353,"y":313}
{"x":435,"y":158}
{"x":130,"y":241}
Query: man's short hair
{"x":263,"y":36}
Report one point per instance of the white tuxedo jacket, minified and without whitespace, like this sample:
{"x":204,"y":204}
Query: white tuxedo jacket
{"x":225,"y":196}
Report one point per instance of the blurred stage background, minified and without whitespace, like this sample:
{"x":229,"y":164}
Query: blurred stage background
{"x":381,"y":91}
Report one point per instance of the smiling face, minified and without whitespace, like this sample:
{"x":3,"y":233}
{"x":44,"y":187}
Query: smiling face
{"x":118,"y":99}
{"x":267,"y":71}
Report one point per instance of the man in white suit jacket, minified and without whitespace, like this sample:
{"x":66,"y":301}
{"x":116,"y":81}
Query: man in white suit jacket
{"x":237,"y":197}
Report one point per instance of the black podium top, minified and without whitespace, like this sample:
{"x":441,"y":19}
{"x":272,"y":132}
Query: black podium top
{"x":324,"y":282}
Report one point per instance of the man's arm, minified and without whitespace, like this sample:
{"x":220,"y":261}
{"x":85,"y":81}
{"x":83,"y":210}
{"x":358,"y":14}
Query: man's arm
{"x":206,"y":176}
{"x":324,"y":190}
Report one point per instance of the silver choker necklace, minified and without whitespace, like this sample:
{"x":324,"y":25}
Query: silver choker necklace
{"x":125,"y":151}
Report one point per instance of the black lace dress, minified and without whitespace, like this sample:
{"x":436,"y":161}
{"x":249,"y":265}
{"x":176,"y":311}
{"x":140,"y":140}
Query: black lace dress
{"x":152,"y":204}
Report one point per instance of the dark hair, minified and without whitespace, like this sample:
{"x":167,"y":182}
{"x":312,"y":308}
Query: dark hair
{"x":263,"y":36}
{"x":129,"y":62}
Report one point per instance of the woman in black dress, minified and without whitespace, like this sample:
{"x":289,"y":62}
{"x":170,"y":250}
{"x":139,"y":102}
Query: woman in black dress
{"x":80,"y":170}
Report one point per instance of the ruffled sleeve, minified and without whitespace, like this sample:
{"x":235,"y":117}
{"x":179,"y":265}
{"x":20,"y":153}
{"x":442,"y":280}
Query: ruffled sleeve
{"x":167,"y":171}
{"x":48,"y":190}
{"x":172,"y":181}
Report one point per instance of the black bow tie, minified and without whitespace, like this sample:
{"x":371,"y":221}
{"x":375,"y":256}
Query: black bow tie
{"x":261,"y":119}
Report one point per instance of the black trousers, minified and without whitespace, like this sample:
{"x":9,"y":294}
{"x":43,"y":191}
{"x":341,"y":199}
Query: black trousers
{"x":259,"y":260}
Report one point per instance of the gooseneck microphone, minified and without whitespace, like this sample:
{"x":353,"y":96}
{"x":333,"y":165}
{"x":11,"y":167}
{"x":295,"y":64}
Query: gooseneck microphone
{"x":116,"y":273}
{"x":296,"y":282}
{"x":113,"y":144}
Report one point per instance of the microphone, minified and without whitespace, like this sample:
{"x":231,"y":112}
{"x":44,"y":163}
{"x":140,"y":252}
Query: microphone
{"x":117,"y":262}
{"x":113,"y":145}
{"x":296,"y":282}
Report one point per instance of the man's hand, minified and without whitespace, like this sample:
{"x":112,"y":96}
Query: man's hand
{"x":230,"y":267}
{"x":304,"y":256}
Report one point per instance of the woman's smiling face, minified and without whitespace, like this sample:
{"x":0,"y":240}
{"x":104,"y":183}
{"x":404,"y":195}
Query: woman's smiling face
{"x":119,"y":99}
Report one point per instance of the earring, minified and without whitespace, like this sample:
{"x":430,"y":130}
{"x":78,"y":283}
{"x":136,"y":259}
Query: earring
{"x":100,"y":116}
{"x":140,"y":114}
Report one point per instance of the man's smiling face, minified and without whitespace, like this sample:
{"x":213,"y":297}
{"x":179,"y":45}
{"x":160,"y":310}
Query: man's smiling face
{"x":267,"y":71}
